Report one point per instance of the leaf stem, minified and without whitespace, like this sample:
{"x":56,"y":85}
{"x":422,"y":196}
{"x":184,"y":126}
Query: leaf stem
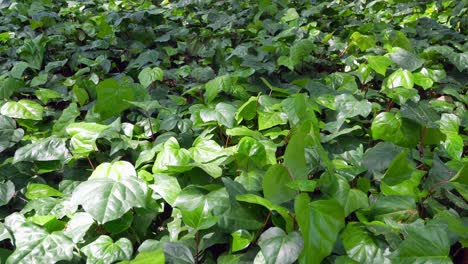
{"x":263,"y":227}
{"x":90,"y":163}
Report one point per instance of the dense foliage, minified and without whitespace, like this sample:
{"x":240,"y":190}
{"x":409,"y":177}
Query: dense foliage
{"x":268,"y":131}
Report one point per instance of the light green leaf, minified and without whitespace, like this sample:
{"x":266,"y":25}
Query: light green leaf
{"x":104,"y":251}
{"x":240,"y":240}
{"x":83,"y":136}
{"x":78,"y":226}
{"x":393,"y":128}
{"x":112,"y":97}
{"x":23,"y":109}
{"x":115,"y":170}
{"x":379,"y":63}
{"x":400,"y":170}
{"x":364,"y":42}
{"x":218,"y":84}
{"x":270,"y":119}
{"x":154,"y":257}
{"x":148,"y":75}
{"x":46,"y":94}
{"x":107,"y":199}
{"x":172,"y":158}
{"x":35,"y":245}
{"x":37,"y":190}
{"x":166,"y":186}
{"x":68,"y":116}
{"x":399,"y":78}
{"x":47,"y":149}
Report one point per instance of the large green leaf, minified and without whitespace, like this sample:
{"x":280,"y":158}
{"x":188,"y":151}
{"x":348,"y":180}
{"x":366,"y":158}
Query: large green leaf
{"x":109,"y":193}
{"x":35,"y":245}
{"x":279,"y":247}
{"x":23,"y":109}
{"x":319,"y":222}
{"x":104,"y":251}
{"x":84,"y":136}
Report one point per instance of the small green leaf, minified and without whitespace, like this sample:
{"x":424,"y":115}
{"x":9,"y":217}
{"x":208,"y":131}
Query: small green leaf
{"x":36,"y":190}
{"x":148,"y":75}
{"x":275,"y":183}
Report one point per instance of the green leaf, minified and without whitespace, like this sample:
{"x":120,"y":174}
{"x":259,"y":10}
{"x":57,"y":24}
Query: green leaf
{"x":406,"y":60}
{"x":449,"y":125}
{"x":84,"y":136}
{"x":379,"y":63}
{"x":119,"y":225}
{"x":348,"y":107}
{"x":270,"y":119}
{"x":35,"y":245}
{"x":33,"y":51}
{"x":319,"y":222}
{"x":424,"y":244}
{"x":172,"y":158}
{"x":23,"y":109}
{"x":7,"y":191}
{"x":421,"y":113}
{"x":356,"y":200}
{"x":36,"y":190}
{"x":379,"y":157}
{"x":46,"y":94}
{"x":47,"y":149}
{"x":255,"y":199}
{"x":248,"y":110}
{"x":67,"y":117}
{"x":115,"y":170}
{"x":39,"y":80}
{"x":393,"y":128}
{"x":399,"y":78}
{"x":396,"y":208}
{"x":9,"y":134}
{"x":107,"y":199}
{"x":167,"y":187}
{"x":148,"y":75}
{"x":400,"y":170}
{"x":112,"y":97}
{"x":279,"y":247}
{"x":78,"y":225}
{"x":240,"y":240}
{"x":302,"y":185}
{"x":275,"y":183}
{"x":289,"y":15}
{"x":9,"y":86}
{"x":300,"y":50}
{"x":364,"y":42}
{"x":361,"y":246}
{"x":155,"y":256}
{"x":215,"y":86}
{"x":18,"y":69}
{"x":195,"y":207}
{"x":104,"y":251}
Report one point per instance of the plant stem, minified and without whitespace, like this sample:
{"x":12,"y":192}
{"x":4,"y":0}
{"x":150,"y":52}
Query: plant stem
{"x":90,"y":163}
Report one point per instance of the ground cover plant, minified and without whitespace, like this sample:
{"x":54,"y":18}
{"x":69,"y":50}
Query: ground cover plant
{"x":224,"y":132}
